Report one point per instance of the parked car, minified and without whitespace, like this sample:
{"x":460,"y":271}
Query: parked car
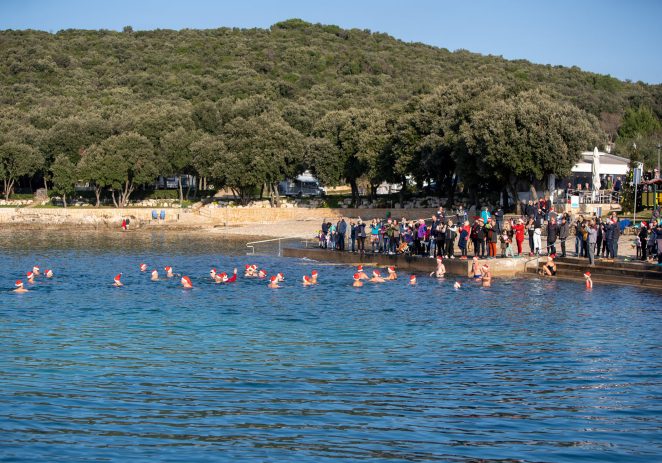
{"x":304,"y":185}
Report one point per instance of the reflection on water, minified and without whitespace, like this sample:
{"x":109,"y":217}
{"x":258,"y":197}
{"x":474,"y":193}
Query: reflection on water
{"x":528,"y":370}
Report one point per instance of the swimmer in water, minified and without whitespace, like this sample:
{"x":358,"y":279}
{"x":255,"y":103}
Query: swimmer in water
{"x":441,"y":269}
{"x":143,"y":267}
{"x":155,"y":275}
{"x":589,"y":282}
{"x":280,"y":277}
{"x":30,"y":277}
{"x":313,"y":277}
{"x":117,"y":280}
{"x":218,"y":278}
{"x":391,"y":273}
{"x":412,"y":280}
{"x":457,"y":285}
{"x":376,"y":277}
{"x":35,"y":270}
{"x":273,"y":282}
{"x":48,"y":273}
{"x":212,"y":274}
{"x":232,"y":279}
{"x":262,"y":274}
{"x":186,"y":282}
{"x":486,"y":275}
{"x":307,"y":281}
{"x":475,"y":268}
{"x":19,"y":287}
{"x":169,"y":273}
{"x":357,"y":280}
{"x":362,"y":274}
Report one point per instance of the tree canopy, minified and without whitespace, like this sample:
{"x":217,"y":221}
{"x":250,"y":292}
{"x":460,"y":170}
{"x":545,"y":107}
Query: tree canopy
{"x":246,"y":108}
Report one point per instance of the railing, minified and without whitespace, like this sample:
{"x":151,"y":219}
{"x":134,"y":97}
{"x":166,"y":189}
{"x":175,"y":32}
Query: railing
{"x":594,"y":196}
{"x":253,"y":243}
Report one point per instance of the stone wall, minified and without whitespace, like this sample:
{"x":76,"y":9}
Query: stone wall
{"x":227,"y":216}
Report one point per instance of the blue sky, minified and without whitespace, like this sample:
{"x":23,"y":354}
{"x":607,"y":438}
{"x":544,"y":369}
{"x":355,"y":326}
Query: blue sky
{"x":620,"y":38}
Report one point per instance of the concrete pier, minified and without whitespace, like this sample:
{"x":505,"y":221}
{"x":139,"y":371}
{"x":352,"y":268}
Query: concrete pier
{"x":507,"y":267}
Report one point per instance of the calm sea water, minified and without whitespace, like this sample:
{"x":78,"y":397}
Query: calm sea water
{"x":528,"y":370}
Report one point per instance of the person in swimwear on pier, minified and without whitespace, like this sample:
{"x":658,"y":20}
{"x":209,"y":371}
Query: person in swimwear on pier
{"x":441,"y":268}
{"x":376,"y":277}
{"x":19,"y":287}
{"x":155,"y":275}
{"x":313,"y":277}
{"x":117,"y":281}
{"x":412,"y":280}
{"x":391,"y":273}
{"x":273,"y":282}
{"x":357,"y":280}
{"x":361,"y":273}
{"x":186,"y":282}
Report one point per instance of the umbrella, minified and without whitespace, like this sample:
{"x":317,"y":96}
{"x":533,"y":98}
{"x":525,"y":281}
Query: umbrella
{"x":595,"y":170}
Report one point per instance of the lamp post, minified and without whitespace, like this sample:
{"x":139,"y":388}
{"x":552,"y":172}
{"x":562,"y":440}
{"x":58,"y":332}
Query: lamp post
{"x":658,"y":159}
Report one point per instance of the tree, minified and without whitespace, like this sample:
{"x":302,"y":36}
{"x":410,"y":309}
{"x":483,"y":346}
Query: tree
{"x":64,"y":176}
{"x":176,"y":147}
{"x":131,"y":161}
{"x":17,"y":160}
{"x":526,"y":137}
{"x":355,"y":137}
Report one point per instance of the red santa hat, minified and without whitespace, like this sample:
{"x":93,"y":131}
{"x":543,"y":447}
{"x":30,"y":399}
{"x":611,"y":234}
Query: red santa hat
{"x":412,"y":278}
{"x":35,"y":269}
{"x":357,"y":276}
{"x":143,"y":267}
{"x":376,"y":273}
{"x":155,"y":272}
{"x":273,"y":278}
{"x":281,"y":276}
{"x":587,"y":274}
{"x":314,"y":272}
{"x":439,"y":258}
{"x":254,"y":266}
{"x":247,"y":266}
{"x":306,"y":278}
{"x":262,"y":273}
{"x":359,"y":268}
{"x":118,"y":277}
{"x":186,"y":281}
{"x":29,"y":275}
{"x":391,"y":269}
{"x":49,"y":273}
{"x":168,"y":268}
{"x":18,"y":284}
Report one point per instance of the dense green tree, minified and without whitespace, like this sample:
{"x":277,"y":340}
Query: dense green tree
{"x":64,"y":176}
{"x":131,"y":161}
{"x":17,"y":160}
{"x":526,"y":137}
{"x":176,"y":146}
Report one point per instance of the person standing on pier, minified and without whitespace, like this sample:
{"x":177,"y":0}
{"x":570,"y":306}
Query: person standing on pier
{"x":564,"y":232}
{"x":590,"y":241}
{"x":552,"y":234}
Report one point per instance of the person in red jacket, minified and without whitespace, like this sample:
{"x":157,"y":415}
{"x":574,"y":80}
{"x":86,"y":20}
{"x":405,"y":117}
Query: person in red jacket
{"x":519,"y":235}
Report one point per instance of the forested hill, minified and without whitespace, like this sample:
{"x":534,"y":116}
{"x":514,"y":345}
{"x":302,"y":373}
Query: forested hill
{"x":248,"y":108}
{"x":310,"y":68}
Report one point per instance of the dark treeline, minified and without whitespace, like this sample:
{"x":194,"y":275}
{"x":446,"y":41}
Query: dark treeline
{"x":244,"y":109}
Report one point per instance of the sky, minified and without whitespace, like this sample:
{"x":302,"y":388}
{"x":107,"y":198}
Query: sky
{"x":619,"y":38}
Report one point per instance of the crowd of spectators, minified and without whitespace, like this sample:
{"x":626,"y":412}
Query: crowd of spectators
{"x":489,"y":234}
